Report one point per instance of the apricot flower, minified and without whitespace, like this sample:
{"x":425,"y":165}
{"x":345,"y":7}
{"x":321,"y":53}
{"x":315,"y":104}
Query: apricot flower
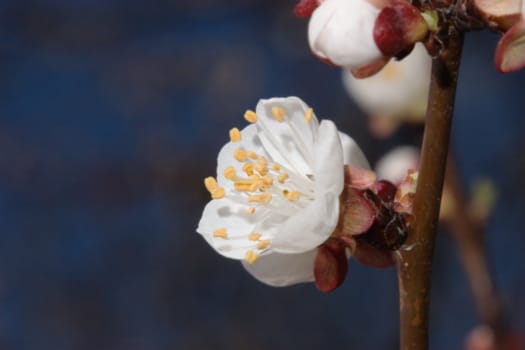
{"x":276,"y":195}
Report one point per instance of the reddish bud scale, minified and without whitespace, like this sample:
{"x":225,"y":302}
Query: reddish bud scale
{"x":369,"y":255}
{"x":305,"y":8}
{"x":331,"y":265}
{"x":397,"y":27}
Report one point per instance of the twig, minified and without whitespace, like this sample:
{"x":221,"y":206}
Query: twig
{"x":467,"y":234}
{"x":414,"y":265}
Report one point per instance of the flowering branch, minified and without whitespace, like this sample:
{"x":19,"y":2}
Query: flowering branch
{"x":414,"y":263}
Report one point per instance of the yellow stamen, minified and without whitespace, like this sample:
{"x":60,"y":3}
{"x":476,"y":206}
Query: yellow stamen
{"x":241,"y":187}
{"x":308,"y":115}
{"x":240,"y":154}
{"x":282,"y":177}
{"x":263,"y":161}
{"x":276,"y":167}
{"x":218,"y":193}
{"x":210,"y":183}
{"x":278,"y":114}
{"x":263,"y":198}
{"x":267,"y":180}
{"x":250,"y":210}
{"x":235,"y":135}
{"x":261,"y":169}
{"x":248,"y":168}
{"x":229,"y":173}
{"x":252,"y":155}
{"x":221,"y":233}
{"x":250,"y":116}
{"x":255,"y":186}
{"x":254,"y":236}
{"x":292,"y":196}
{"x":250,"y":257}
{"x":263,"y":244}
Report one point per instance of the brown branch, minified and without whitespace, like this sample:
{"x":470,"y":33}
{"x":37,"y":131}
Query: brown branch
{"x":414,"y":263}
{"x":468,"y":235}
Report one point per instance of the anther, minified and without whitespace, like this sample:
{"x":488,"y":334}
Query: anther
{"x":210,"y":183}
{"x":261,"y":169}
{"x":250,"y":257}
{"x":229,"y":173}
{"x":248,"y":168}
{"x":278,"y":114}
{"x":221,"y":233}
{"x":250,"y":210}
{"x":282,"y":177}
{"x":218,"y":193}
{"x":292,"y":196}
{"x":252,"y":155}
{"x":263,"y":198}
{"x":235,"y":135}
{"x":250,"y":116}
{"x":267,"y":180}
{"x":308,"y":115}
{"x":263,"y":244}
{"x":240,"y":154}
{"x":276,"y":167}
{"x":254,"y":236}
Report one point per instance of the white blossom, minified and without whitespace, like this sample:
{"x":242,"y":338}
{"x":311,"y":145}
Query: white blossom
{"x":276,"y":195}
{"x":343,"y":32}
{"x":399,"y":91}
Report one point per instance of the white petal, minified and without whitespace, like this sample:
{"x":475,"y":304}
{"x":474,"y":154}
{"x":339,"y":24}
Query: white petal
{"x":250,"y":141}
{"x":394,"y":165}
{"x":328,"y":163}
{"x":281,"y":270}
{"x":400,"y":89}
{"x":312,"y":225}
{"x":352,"y":154}
{"x":309,"y":227}
{"x":232,"y":216}
{"x":342,"y":30}
{"x":290,"y":142}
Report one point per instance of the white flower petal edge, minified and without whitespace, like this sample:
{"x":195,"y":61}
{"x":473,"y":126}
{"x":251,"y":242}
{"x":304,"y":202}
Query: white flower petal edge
{"x":279,"y":270}
{"x":276,"y":197}
{"x":342,"y":31}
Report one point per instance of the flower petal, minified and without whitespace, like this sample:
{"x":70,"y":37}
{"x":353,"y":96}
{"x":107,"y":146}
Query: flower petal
{"x":309,"y":227}
{"x":394,"y":165}
{"x":328,"y":160}
{"x":505,"y":13}
{"x":225,"y":213}
{"x":312,"y":225}
{"x":352,"y":154}
{"x":510,"y":52}
{"x":281,"y":270}
{"x":290,"y":141}
{"x":342,"y":31}
{"x":399,"y":90}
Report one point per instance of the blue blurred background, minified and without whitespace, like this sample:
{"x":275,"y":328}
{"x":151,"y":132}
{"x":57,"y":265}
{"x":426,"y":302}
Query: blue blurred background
{"x":112,"y":113}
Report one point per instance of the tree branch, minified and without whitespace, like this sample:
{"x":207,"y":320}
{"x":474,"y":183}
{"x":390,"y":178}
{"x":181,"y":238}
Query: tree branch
{"x":414,"y":263}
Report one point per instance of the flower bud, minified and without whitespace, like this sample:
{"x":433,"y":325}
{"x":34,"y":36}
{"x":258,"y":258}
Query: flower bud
{"x":362,"y":35}
{"x":499,"y":14}
{"x":342,"y":31}
{"x":508,"y":16}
